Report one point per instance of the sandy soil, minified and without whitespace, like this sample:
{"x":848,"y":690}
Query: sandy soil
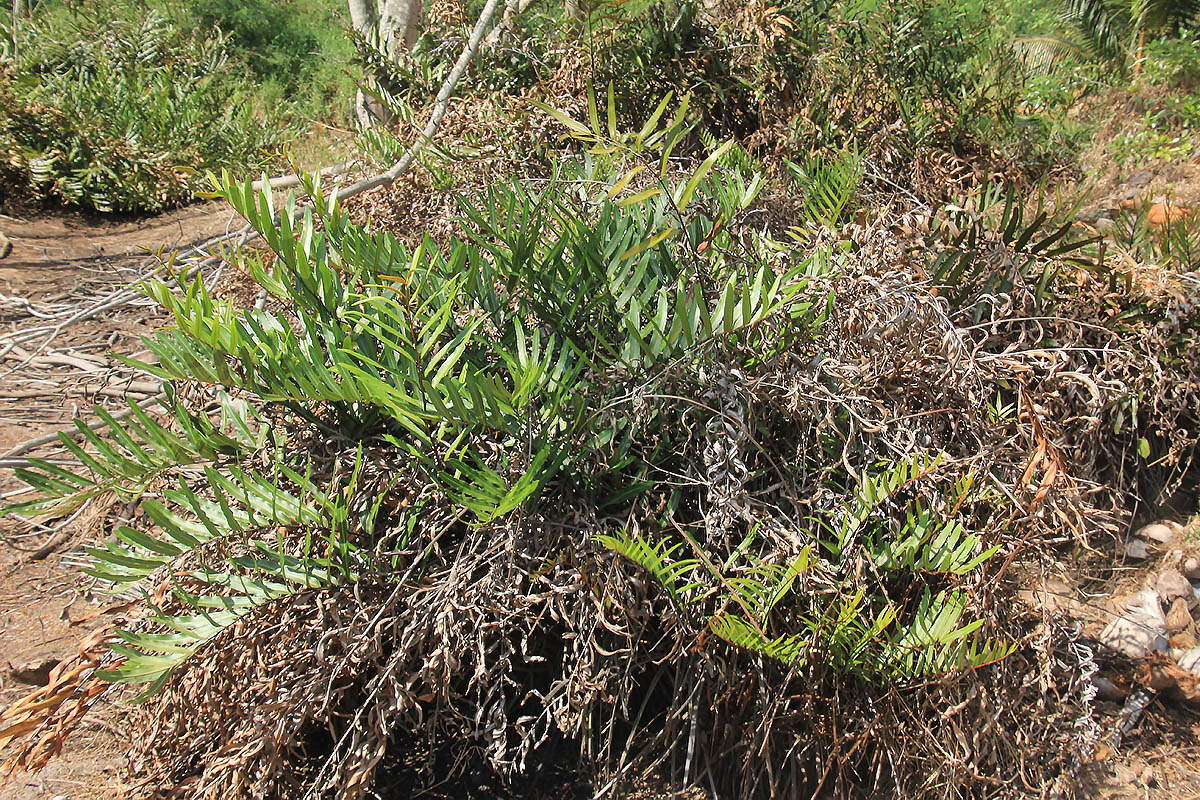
{"x":64,"y":261}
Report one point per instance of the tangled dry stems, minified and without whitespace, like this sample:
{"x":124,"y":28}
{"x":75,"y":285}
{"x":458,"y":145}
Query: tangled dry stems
{"x":499,"y":646}
{"x":516,"y":638}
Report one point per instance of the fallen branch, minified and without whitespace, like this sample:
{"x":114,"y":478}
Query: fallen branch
{"x":9,"y":459}
{"x":288,"y":181}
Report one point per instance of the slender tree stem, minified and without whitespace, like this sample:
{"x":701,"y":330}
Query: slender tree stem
{"x":440,"y":106}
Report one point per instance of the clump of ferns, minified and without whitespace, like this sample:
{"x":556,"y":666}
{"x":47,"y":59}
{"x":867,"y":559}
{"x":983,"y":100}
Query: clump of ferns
{"x":865,"y":598}
{"x":572,"y":363}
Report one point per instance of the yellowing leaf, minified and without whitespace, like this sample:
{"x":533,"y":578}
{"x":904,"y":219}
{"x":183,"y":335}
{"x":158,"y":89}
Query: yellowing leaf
{"x":639,"y":197}
{"x":612,"y":113}
{"x":701,"y":171}
{"x":624,"y":181}
{"x":562,"y":118}
{"x":648,"y":128}
{"x":646,"y":244}
{"x":593,"y":112}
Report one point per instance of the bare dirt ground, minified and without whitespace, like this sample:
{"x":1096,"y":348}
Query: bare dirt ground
{"x":62,"y":263}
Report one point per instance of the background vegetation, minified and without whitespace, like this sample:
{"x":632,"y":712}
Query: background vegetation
{"x":122,"y":107}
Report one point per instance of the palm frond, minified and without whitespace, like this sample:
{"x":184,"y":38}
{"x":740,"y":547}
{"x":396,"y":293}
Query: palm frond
{"x":126,"y":456}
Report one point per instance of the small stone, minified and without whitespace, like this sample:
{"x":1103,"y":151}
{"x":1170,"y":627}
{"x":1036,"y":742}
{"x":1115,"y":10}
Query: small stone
{"x":1134,"y":636}
{"x":1139,"y":178}
{"x":1052,"y":597}
{"x":1137,"y":550}
{"x":1107,"y":690}
{"x":1155,"y":533}
{"x":1141,"y":630}
{"x":1171,"y":585}
{"x":35,"y":673}
{"x":1178,"y":616}
{"x":1185,"y":640}
{"x":1191,"y":569}
{"x":1190,"y":660}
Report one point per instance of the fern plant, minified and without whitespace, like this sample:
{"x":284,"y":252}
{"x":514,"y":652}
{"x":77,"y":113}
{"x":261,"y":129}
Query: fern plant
{"x":876,"y":636}
{"x":121,"y":111}
{"x":513,"y":337}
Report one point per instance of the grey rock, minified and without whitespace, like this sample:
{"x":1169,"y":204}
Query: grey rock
{"x":1190,"y":660}
{"x":1171,"y":585}
{"x":1134,"y":636}
{"x":5,"y":246}
{"x":1142,"y":178}
{"x":1107,"y":690}
{"x":1191,"y":569}
{"x":1155,"y":533}
{"x":1137,"y":550}
{"x":1141,"y":630}
{"x":1178,"y":616}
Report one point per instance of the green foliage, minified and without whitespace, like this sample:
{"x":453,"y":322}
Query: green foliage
{"x":1037,"y":245}
{"x":1175,"y":62}
{"x":121,"y":112}
{"x":133,"y":453}
{"x":515,"y":336}
{"x":1118,"y":29}
{"x":1154,"y":137}
{"x":887,"y":637}
{"x":828,"y":185}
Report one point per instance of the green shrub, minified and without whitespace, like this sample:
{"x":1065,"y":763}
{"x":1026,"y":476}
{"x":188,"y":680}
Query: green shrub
{"x":118,"y":111}
{"x":296,"y":50}
{"x":1175,"y":62}
{"x":470,"y":430}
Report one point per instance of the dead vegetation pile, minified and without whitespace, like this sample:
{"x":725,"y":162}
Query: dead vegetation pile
{"x":775,"y":624}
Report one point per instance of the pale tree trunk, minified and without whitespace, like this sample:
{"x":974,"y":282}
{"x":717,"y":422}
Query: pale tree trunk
{"x":400,"y":23}
{"x":18,"y":9}
{"x":393,"y":25}
{"x":502,"y":33}
{"x":573,"y":12}
{"x":364,"y":17}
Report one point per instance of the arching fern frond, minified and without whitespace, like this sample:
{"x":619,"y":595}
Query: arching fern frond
{"x":124,"y":456}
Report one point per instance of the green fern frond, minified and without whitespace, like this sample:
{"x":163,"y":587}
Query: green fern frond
{"x":657,"y":559}
{"x":124,"y":456}
{"x":153,"y":657}
{"x":934,"y":642}
{"x":929,"y":545}
{"x":829,"y":186}
{"x":788,"y":649}
{"x":241,"y":502}
{"x":488,"y":495}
